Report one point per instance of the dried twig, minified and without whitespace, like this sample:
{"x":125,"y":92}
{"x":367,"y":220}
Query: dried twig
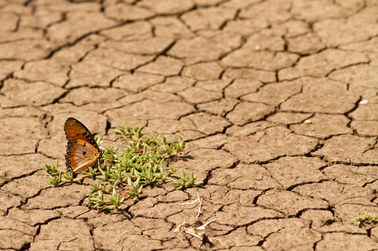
{"x":190,"y":229}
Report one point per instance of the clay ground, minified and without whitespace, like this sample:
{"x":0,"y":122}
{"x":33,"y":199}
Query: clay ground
{"x":276,"y":99}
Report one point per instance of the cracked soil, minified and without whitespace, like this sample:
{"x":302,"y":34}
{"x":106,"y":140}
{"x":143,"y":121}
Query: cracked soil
{"x":277,"y":99}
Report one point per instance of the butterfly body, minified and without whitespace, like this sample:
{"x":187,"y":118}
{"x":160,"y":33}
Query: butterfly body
{"x":82,"y":149}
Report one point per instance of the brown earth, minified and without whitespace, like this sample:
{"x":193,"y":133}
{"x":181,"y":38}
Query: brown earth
{"x":277,"y":99}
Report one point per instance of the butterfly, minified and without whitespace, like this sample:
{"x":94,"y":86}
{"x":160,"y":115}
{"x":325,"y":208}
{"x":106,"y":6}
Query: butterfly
{"x":82,"y":150}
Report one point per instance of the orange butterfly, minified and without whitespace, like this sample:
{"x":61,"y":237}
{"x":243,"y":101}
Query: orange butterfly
{"x":82,"y":150}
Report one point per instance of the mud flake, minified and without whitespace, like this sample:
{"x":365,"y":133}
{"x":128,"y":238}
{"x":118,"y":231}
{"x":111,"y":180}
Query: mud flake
{"x":165,"y":66}
{"x":318,"y":218}
{"x":319,"y":65}
{"x":82,"y":96}
{"x":208,"y":124}
{"x":58,"y":197}
{"x":237,"y":215}
{"x":366,"y":112}
{"x":28,"y":186}
{"x":84,"y":23}
{"x":198,"y":95}
{"x":275,"y":93}
{"x":205,"y":160}
{"x":200,"y":49}
{"x":116,"y":59}
{"x":249,"y":74}
{"x":9,"y":200}
{"x":167,"y":6}
{"x":336,"y":193}
{"x":323,"y":125}
{"x":287,"y":118}
{"x":15,"y":234}
{"x":267,"y":12}
{"x":365,"y":128}
{"x":306,"y":44}
{"x":353,"y":175}
{"x":238,"y":239}
{"x":117,"y":11}
{"x":338,"y":32}
{"x":208,"y":18}
{"x":14,"y":128}
{"x":25,"y":49}
{"x":246,"y":112}
{"x":252,"y":177}
{"x":285,"y":233}
{"x":288,"y":202}
{"x":344,"y":241}
{"x":148,"y":46}
{"x":262,"y":60}
{"x":203,"y":71}
{"x":52,"y":71}
{"x":349,"y":148}
{"x":363,"y":76}
{"x":65,"y":231}
{"x":170,"y":27}
{"x":138,"y":81}
{"x":151,"y":208}
{"x":291,"y":171}
{"x":219,"y":107}
{"x":276,"y":141}
{"x":36,"y":93}
{"x":148,"y":109}
{"x":241,"y":87}
{"x":321,"y":95}
{"x":9,"y":66}
{"x":133,"y":31}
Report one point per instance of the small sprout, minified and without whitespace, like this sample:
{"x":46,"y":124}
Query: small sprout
{"x":186,"y":181}
{"x":91,"y":171}
{"x":181,"y":145}
{"x":52,"y":170}
{"x":116,"y":199}
{"x":135,"y":191}
{"x":98,"y":140}
{"x":365,"y":219}
{"x":56,"y":180}
{"x":68,"y":176}
{"x":96,"y":187}
{"x":109,"y":155}
{"x":55,"y":175}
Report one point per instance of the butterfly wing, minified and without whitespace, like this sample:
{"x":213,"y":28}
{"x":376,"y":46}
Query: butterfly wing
{"x":74,"y":130}
{"x":82,"y":149}
{"x":80,"y":155}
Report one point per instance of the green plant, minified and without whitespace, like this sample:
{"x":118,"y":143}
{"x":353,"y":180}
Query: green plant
{"x":123,"y":173}
{"x":365,"y":219}
{"x":187,"y":181}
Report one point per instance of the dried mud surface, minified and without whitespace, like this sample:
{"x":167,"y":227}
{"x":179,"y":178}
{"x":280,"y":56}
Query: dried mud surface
{"x":277,"y":99}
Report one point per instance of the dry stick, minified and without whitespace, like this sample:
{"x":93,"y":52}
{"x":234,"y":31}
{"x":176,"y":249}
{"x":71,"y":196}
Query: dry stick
{"x":200,"y":201}
{"x":199,"y":209}
{"x":193,"y":231}
{"x":203,"y":226}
